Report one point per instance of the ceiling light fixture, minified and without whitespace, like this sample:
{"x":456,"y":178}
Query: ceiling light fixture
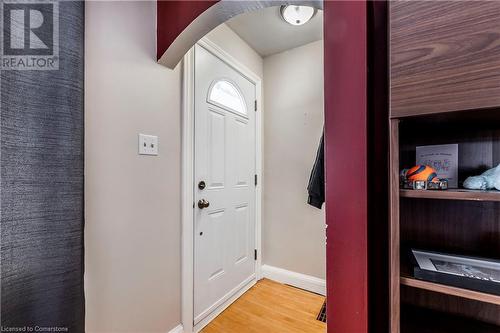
{"x":297,"y":15}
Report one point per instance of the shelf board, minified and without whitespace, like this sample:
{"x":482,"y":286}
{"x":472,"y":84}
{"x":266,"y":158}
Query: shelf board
{"x":452,"y":194}
{"x":449,"y":290}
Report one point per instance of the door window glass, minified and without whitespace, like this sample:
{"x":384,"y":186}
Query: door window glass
{"x":225,"y":94}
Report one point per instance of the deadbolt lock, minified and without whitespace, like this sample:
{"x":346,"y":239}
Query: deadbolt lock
{"x":201,"y":185}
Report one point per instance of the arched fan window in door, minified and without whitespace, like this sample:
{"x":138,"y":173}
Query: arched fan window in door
{"x":226,"y":95}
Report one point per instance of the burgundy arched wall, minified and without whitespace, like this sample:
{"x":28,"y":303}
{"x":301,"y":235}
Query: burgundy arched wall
{"x":173,"y":17}
{"x":345,"y":61}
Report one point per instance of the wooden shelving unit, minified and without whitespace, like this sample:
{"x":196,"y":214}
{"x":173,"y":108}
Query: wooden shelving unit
{"x":454,"y":221}
{"x":435,"y":100}
{"x":452,"y":194}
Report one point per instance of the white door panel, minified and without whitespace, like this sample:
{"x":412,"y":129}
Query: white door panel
{"x":224,"y":232}
{"x":215,"y":146}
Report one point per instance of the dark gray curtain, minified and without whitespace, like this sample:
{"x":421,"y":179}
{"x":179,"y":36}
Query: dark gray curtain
{"x":42,"y":187}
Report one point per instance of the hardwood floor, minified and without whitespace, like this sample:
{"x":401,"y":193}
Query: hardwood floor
{"x":271,"y":307}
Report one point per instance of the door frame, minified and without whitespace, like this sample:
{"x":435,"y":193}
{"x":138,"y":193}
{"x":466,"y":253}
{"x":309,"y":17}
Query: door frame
{"x":187,"y":187}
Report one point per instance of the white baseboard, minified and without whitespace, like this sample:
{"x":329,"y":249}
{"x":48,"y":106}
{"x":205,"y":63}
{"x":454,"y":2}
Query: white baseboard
{"x":302,"y":281}
{"x":177,"y":329}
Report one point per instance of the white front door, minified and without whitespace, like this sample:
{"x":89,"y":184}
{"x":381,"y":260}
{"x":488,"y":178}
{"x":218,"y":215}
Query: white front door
{"x":224,"y":188}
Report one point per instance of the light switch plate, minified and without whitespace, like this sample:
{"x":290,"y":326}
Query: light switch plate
{"x":148,"y":144}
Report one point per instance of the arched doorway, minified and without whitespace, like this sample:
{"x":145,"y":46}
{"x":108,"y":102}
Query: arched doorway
{"x":351,"y":113}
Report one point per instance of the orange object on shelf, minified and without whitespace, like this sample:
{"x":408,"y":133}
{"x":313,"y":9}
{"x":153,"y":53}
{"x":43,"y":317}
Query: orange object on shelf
{"x":422,"y":172}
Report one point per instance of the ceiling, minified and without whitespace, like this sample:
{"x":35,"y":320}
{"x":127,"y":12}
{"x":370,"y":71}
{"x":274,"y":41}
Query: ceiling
{"x":267,"y":33}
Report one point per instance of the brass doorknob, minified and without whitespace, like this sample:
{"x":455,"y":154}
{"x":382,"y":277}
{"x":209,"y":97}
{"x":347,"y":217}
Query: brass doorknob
{"x":203,"y":204}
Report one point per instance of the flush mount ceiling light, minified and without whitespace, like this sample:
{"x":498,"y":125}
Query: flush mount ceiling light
{"x":297,"y":15}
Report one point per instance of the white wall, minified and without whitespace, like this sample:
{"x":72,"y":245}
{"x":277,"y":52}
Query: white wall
{"x":132,"y":228}
{"x":293,"y":231}
{"x":230,"y":42}
{"x":132,"y":202}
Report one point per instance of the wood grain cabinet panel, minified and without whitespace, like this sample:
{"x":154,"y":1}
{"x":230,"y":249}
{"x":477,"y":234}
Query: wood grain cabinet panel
{"x":445,"y":56}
